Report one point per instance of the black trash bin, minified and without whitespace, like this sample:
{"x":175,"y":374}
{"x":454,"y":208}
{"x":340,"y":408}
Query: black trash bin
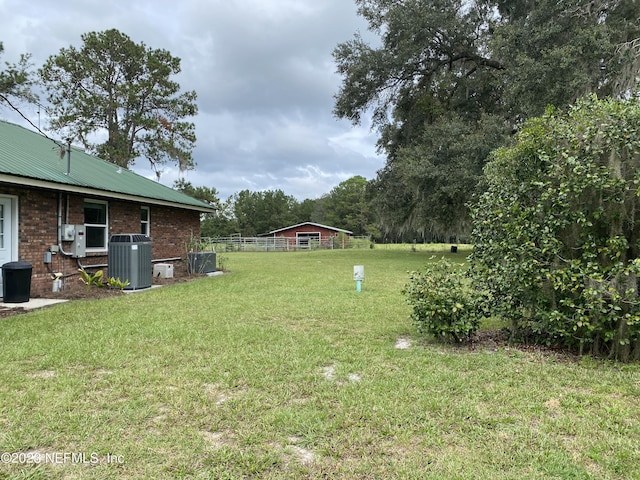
{"x":16,"y":282}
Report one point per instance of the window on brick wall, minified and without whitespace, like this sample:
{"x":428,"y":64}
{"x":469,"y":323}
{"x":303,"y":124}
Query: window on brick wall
{"x":96,"y":224}
{"x":144,"y":221}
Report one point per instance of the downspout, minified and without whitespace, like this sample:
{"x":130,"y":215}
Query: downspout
{"x":58,"y":277}
{"x":67,"y":254}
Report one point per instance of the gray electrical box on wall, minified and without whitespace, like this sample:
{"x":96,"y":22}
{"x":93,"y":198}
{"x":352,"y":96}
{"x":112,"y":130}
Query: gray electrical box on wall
{"x":68,"y":233}
{"x":79,"y":243}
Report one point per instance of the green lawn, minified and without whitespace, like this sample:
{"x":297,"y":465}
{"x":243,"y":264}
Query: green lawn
{"x":280,"y":369}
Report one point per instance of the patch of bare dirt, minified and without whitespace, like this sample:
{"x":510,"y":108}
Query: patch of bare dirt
{"x":493,"y":340}
{"x":9,"y":312}
{"x":76,"y":290}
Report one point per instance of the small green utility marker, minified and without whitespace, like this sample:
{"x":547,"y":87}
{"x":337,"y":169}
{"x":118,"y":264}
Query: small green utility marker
{"x":358,"y":276}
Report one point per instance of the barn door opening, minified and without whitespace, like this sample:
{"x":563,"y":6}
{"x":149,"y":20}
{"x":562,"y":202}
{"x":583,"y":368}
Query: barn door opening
{"x":307,"y":239}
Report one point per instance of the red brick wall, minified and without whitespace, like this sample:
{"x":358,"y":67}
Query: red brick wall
{"x":170,"y":230}
{"x":37,"y":230}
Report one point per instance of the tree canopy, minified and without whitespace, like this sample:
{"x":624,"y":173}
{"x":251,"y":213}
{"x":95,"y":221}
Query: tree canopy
{"x":451,"y":79}
{"x":261,"y":212}
{"x":347,"y":206}
{"x":206,"y":194}
{"x":114,"y":85}
{"x":16,"y":81}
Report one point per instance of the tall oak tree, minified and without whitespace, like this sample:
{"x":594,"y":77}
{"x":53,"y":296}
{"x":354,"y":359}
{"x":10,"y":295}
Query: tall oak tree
{"x":451,"y":79}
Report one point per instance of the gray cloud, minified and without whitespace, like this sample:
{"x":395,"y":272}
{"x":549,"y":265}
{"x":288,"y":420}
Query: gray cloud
{"x":263,"y":72}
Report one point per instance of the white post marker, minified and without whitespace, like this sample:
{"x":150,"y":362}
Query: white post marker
{"x":358,"y":276}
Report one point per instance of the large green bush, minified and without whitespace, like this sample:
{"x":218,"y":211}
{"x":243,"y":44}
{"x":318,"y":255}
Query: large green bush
{"x":557,"y":231}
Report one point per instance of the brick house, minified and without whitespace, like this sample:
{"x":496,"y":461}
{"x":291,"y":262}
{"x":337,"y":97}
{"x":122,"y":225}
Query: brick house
{"x":304,"y":235}
{"x":59,"y":206}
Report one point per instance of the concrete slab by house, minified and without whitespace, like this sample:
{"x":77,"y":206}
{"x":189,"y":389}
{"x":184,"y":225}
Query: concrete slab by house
{"x":146,"y":289}
{"x":33,"y":303}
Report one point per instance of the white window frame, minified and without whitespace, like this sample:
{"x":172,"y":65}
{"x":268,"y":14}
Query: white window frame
{"x":147,"y":222}
{"x":94,"y":225}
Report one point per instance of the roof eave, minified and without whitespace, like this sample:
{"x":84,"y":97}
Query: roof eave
{"x":31,"y":182}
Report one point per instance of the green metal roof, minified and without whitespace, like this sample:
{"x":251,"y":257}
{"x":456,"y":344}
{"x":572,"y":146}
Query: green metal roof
{"x":28,"y":158}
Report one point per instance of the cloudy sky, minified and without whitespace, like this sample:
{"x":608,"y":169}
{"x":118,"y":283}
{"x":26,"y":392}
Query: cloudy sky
{"x":263,"y":72}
